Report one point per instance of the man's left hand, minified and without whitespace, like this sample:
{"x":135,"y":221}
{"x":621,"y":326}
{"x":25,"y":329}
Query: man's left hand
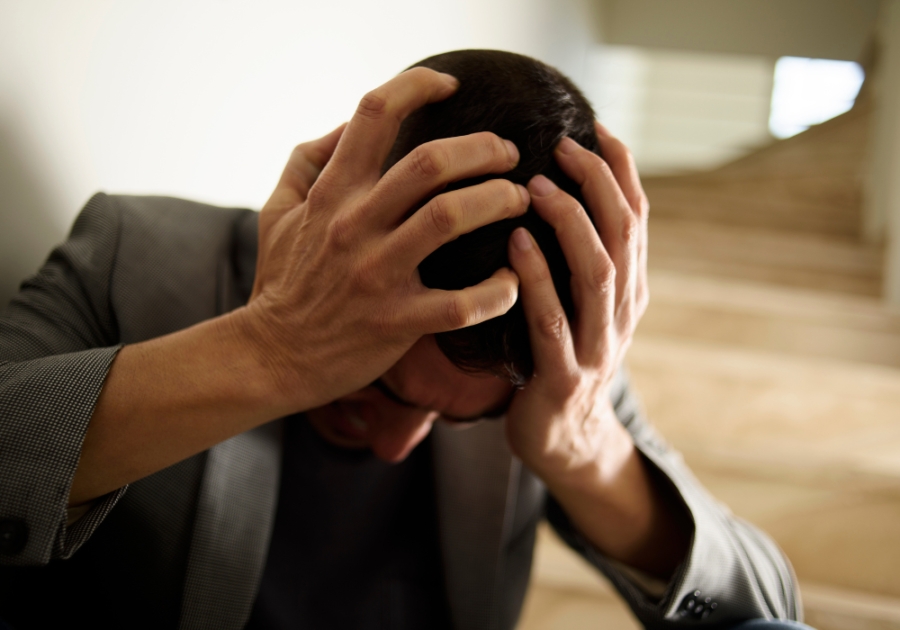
{"x":561,"y":424}
{"x":557,"y":422}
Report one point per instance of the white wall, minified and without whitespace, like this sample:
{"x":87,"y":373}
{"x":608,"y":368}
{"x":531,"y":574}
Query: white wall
{"x":882,"y":209}
{"x":826,"y":29}
{"x":680,"y":111}
{"x":205,"y":98}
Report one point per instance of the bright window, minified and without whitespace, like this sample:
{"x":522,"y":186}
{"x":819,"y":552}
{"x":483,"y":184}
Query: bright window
{"x":810,"y":91}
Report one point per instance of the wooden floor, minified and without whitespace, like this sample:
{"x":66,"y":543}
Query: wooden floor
{"x":767,"y":358}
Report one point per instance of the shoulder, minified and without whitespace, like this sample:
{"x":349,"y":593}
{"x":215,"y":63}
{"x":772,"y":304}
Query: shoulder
{"x":154,"y":214}
{"x":112,"y":222}
{"x":176,"y":262}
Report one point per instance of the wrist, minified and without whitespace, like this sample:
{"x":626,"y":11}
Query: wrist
{"x":271,"y":371}
{"x":589,"y":458}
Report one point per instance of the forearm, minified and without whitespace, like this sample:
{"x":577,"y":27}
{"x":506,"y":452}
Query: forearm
{"x":169,"y":398}
{"x":617,"y":504}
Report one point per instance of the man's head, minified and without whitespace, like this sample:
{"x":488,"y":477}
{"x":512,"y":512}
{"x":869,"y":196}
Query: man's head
{"x":533,"y":105}
{"x":469,"y":373}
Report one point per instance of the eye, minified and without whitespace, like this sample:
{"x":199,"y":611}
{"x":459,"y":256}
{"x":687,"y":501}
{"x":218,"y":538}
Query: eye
{"x":387,"y":393}
{"x":492,"y":414}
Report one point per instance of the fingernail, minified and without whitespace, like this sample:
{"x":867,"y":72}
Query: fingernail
{"x":526,"y":198}
{"x":567,"y":145}
{"x":521,"y":239}
{"x":542,"y":186}
{"x":513,"y":151}
{"x":452,"y":80}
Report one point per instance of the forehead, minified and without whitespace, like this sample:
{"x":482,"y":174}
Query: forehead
{"x":425,"y":378}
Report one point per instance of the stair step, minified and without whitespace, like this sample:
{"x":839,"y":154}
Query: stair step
{"x":806,"y":448}
{"x":813,"y":204}
{"x":829,"y":608}
{"x":811,"y":182}
{"x":777,"y":257}
{"x":771,"y":317}
{"x":568,"y":593}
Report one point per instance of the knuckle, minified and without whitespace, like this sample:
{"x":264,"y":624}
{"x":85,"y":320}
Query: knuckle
{"x":373,"y":105}
{"x":552,"y":325}
{"x":630,"y":228}
{"x":299,"y":151}
{"x":443,"y":215}
{"x":602,"y":167}
{"x":512,"y":199}
{"x":567,"y":213}
{"x":421,"y":73}
{"x":318,"y":194}
{"x":458,"y":313}
{"x":494,"y":147}
{"x":428,"y":161}
{"x":341,"y":232}
{"x":572,"y":209}
{"x":593,"y":160}
{"x":603,"y":277}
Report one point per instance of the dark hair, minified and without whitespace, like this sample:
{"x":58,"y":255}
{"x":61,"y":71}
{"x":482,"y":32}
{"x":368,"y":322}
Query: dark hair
{"x":535,"y":106}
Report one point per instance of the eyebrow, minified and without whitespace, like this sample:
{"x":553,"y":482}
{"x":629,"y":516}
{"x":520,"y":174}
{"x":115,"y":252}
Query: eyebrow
{"x":493,"y":414}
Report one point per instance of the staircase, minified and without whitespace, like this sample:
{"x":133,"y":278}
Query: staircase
{"x":768,"y":360}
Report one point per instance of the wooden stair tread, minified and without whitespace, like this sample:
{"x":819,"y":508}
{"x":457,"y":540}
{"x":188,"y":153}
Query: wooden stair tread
{"x":762,"y":255}
{"x":746,"y":314}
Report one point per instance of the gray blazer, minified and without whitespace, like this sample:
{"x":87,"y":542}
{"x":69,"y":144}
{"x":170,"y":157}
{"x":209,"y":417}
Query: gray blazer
{"x":186,"y":546}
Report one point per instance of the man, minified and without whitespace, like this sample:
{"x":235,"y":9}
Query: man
{"x":328,"y":324}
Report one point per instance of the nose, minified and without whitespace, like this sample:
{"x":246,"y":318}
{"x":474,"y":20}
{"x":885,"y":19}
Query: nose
{"x":393,"y":441}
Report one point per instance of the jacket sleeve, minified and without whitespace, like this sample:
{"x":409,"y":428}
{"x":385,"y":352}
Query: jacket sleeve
{"x":58,"y":338}
{"x":732,"y":571}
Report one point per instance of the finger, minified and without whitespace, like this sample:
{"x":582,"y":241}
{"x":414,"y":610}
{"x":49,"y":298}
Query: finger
{"x":452,"y":214}
{"x":433,"y":165}
{"x":306,"y":162}
{"x":440,"y":311}
{"x":622,"y":165}
{"x":373,"y":128}
{"x":593,"y":273}
{"x":303,"y":167}
{"x":548,"y":328}
{"x":619,"y":227}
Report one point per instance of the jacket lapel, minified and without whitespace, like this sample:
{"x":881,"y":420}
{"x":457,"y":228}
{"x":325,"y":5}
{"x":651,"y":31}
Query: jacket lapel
{"x":475,"y":481}
{"x":239,"y":493}
{"x":232,"y":529}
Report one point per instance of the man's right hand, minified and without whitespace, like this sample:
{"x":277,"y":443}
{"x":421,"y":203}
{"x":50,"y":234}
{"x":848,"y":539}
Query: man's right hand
{"x":337,"y":298}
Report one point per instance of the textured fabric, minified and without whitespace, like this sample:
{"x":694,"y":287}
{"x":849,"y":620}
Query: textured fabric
{"x":53,"y":361}
{"x":91,"y":295}
{"x":370,"y":559}
{"x":474,"y":474}
{"x":235,"y":515}
{"x":190,"y":541}
{"x":765,"y":624}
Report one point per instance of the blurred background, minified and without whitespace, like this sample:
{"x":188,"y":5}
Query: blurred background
{"x":768,"y":136}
